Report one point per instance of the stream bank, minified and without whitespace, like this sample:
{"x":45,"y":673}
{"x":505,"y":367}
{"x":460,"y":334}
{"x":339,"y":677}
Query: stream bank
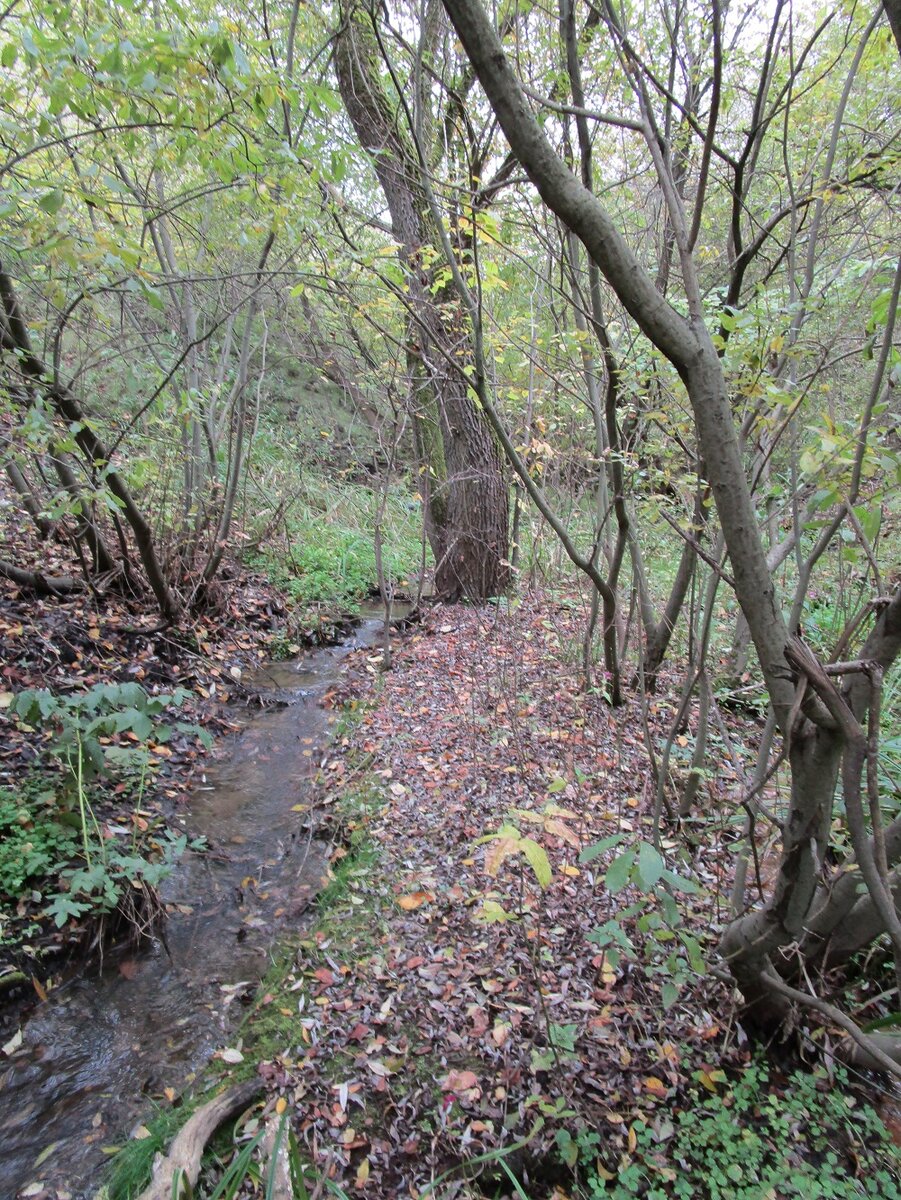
{"x":102,"y":1045}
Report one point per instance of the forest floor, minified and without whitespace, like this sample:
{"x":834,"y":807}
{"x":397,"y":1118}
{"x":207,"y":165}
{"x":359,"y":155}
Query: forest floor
{"x":465,"y":999}
{"x":507,"y":967}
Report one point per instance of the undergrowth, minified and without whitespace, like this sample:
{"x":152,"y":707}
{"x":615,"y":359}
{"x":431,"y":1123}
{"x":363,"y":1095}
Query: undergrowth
{"x":323,"y":555}
{"x":767,"y":1137}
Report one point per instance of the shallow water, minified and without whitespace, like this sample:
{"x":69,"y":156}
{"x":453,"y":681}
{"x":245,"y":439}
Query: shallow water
{"x":102,"y":1044}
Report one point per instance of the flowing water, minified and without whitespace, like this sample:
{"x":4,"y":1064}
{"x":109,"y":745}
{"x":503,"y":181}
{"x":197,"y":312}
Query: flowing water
{"x":93,"y":1053}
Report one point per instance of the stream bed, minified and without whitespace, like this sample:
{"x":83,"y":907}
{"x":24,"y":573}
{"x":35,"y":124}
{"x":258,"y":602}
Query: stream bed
{"x":103,"y":1043}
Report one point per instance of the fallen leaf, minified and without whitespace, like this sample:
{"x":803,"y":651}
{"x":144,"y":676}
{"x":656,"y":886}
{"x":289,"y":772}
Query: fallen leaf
{"x":655,"y":1086}
{"x":13,"y":1044}
{"x":414,"y":900}
{"x":460,"y":1081}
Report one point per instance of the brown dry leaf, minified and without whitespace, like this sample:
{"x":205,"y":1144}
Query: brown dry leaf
{"x":414,"y":900}
{"x":655,"y":1086}
{"x":498,"y":850}
{"x":558,"y":829}
{"x":460,"y":1081}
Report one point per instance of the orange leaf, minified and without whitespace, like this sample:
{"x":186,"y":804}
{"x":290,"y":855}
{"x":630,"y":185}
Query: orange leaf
{"x":655,"y":1086}
{"x":414,"y":900}
{"x":460,"y":1081}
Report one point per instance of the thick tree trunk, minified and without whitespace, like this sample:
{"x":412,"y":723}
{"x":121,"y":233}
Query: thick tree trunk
{"x":463,"y":483}
{"x":893,"y":12}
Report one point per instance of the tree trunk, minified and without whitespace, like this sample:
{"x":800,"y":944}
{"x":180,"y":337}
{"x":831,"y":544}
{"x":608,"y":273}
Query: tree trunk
{"x":815,"y":748}
{"x":14,"y":339}
{"x":463,"y":485}
{"x":30,"y":501}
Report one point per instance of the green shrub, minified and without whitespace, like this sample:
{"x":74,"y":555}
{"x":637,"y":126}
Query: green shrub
{"x":323,"y":556}
{"x":51,"y":837}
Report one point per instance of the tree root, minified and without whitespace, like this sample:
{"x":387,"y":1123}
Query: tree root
{"x":878,"y":1053}
{"x":181,"y":1166}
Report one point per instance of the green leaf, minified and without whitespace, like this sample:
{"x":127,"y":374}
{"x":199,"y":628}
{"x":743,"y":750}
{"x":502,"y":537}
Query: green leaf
{"x":9,"y":55}
{"x":619,"y":872}
{"x":493,"y":914}
{"x":563,"y":1036}
{"x":669,"y":994}
{"x":152,"y":296}
{"x":557,"y":786}
{"x":538,"y":861}
{"x":650,"y":865}
{"x":52,"y":202}
{"x":598,"y":848}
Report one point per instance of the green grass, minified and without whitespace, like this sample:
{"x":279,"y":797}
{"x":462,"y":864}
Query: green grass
{"x":323,"y":553}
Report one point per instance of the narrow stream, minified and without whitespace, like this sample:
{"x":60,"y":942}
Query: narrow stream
{"x":95,"y":1051}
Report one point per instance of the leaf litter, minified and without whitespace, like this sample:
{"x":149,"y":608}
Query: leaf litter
{"x":468,"y":1009}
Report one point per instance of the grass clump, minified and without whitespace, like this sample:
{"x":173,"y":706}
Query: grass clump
{"x":325,"y":557}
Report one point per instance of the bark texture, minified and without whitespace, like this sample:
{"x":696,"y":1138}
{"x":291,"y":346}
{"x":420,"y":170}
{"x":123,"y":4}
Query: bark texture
{"x":463,"y":483}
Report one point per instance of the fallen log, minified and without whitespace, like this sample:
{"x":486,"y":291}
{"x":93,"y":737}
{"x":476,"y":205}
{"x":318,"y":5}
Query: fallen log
{"x":175,"y":1174}
{"x":40,"y":584}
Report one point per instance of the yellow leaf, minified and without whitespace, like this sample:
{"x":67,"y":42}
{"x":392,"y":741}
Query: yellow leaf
{"x":632,"y":1139}
{"x":363,"y":1173}
{"x":501,"y":848}
{"x":280,"y":1105}
{"x":558,"y":829}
